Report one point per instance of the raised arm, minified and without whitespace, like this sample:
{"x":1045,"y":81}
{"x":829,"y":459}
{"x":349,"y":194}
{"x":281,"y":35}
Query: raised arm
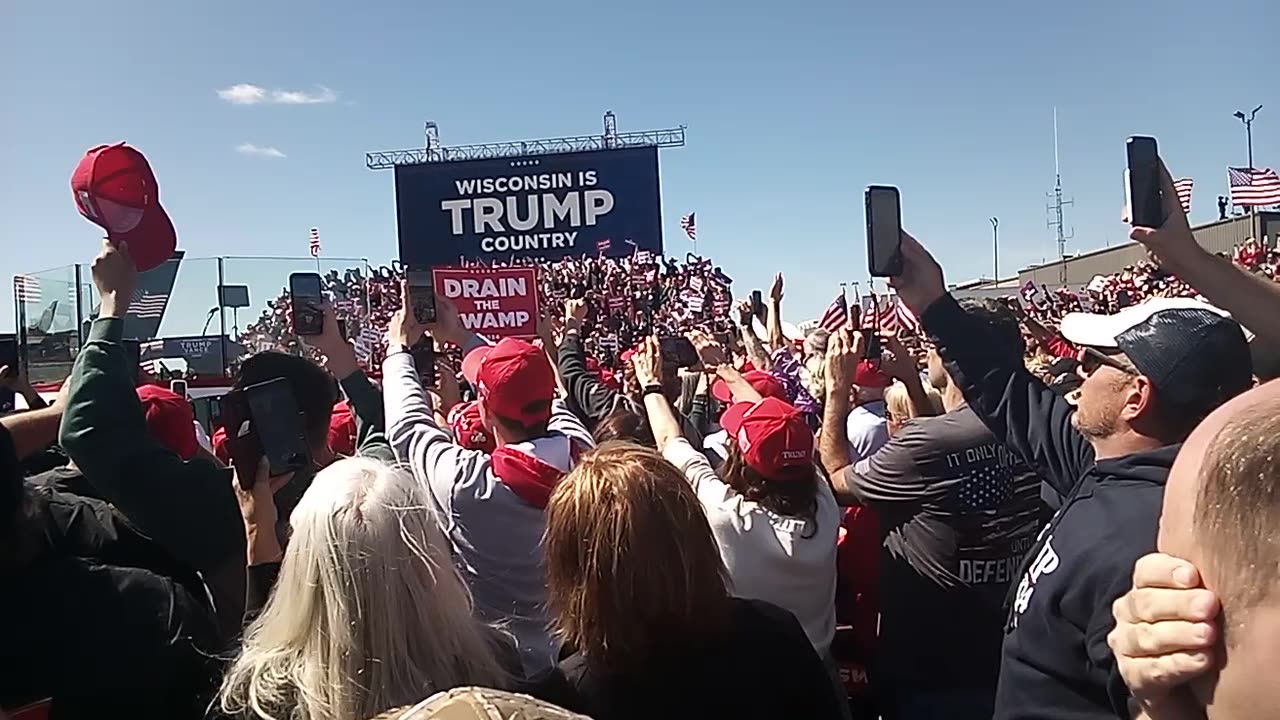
{"x":773,"y":316}
{"x":362,"y":395}
{"x":1020,"y":410}
{"x":587,"y":395}
{"x":188,"y":507}
{"x":1253,"y":300}
{"x":428,"y":450}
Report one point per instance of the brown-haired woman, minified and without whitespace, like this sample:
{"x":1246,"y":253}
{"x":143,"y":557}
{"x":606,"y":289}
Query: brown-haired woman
{"x":636,"y":586}
{"x":773,"y":515}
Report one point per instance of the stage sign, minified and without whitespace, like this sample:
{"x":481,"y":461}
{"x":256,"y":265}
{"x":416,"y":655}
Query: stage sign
{"x":494,"y":302}
{"x":545,"y":208}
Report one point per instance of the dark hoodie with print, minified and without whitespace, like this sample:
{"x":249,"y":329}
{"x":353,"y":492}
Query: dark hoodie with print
{"x":1055,"y":660}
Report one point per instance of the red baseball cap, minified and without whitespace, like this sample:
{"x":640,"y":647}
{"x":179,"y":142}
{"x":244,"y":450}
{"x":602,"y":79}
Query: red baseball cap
{"x":510,"y":377}
{"x":114,"y":187}
{"x":773,"y":437}
{"x":869,"y":375}
{"x":342,"y":430}
{"x":468,"y":430}
{"x":764,"y":383}
{"x":169,"y":419}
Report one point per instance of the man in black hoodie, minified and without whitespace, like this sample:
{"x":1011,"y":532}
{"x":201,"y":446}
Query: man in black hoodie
{"x":1150,"y":374}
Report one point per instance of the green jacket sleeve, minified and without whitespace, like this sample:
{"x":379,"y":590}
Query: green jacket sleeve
{"x":371,"y":423}
{"x":188,"y":507}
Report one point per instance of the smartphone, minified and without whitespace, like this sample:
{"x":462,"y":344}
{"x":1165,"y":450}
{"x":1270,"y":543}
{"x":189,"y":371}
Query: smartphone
{"x":1142,"y":182}
{"x":243,"y":445}
{"x":277,"y":422}
{"x":757,"y":304}
{"x":884,"y":231}
{"x":342,"y":328}
{"x":306,"y":298}
{"x":423,"y":353}
{"x":9,"y":356}
{"x":422,"y":296}
{"x":178,"y":387}
{"x":874,"y":349}
{"x":678,"y":351}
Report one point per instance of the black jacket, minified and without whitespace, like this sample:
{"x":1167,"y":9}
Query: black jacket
{"x":1055,"y":659}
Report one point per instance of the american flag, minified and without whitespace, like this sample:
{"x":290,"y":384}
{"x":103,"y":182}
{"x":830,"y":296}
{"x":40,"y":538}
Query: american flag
{"x":315,"y":242}
{"x":1183,"y":188}
{"x":836,"y":315}
{"x":27,"y":288}
{"x":602,"y":246}
{"x":892,"y":315}
{"x":1254,"y":187}
{"x":147,"y":305}
{"x":690,"y":226}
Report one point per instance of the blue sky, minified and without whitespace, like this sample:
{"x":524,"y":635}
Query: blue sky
{"x":791,"y":110}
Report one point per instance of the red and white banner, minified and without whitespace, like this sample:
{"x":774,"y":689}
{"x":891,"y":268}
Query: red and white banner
{"x":494,"y":302}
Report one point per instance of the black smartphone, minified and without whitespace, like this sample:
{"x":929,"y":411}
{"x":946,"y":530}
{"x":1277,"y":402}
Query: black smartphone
{"x":423,"y":353}
{"x":422,"y":295}
{"x":757,"y":304}
{"x":677,"y":351}
{"x":306,"y":298}
{"x":178,"y":387}
{"x":342,"y":328}
{"x":9,"y":356}
{"x":276,"y":420}
{"x":243,"y":444}
{"x":873,"y":349}
{"x":1142,"y":182}
{"x":884,"y":231}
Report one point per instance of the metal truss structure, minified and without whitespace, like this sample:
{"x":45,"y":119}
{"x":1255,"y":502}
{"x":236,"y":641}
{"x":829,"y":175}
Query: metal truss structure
{"x":611,"y":139}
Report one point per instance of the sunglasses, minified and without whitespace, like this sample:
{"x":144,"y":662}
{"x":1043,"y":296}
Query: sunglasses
{"x":1091,"y":360}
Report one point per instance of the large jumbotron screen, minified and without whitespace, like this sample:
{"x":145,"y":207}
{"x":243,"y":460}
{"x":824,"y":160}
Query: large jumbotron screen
{"x":545,"y":207}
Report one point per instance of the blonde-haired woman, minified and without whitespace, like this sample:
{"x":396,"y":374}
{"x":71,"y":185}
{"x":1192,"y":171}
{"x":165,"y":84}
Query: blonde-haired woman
{"x":367,"y":612}
{"x":637,"y":587}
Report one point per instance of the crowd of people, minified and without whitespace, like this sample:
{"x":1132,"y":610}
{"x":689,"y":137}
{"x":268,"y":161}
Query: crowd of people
{"x":627,"y":299}
{"x":1036,"y":513}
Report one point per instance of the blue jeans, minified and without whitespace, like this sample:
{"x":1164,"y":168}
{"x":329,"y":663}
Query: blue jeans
{"x":941,"y":705}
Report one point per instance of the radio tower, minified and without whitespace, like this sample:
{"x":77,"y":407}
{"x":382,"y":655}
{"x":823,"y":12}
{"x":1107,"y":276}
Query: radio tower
{"x":1055,"y":206}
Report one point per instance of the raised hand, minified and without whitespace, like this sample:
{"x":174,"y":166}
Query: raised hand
{"x":921,"y":282}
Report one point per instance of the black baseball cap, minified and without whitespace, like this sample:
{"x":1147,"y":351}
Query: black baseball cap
{"x":1195,"y":354}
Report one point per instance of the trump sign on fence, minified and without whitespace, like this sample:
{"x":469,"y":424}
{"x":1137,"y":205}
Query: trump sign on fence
{"x":546,"y":207}
{"x":494,"y":302}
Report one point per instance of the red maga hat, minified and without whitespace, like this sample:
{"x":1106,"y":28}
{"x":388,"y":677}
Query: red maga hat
{"x":514,"y":380}
{"x":764,"y":383}
{"x":114,"y":187}
{"x":773,"y":437}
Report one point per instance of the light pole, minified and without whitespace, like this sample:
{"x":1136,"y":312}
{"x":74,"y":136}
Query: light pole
{"x":995,"y":247}
{"x":1248,"y":130}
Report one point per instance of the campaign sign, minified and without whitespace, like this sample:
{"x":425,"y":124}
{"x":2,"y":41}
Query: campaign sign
{"x":518,"y":208}
{"x":494,"y":302}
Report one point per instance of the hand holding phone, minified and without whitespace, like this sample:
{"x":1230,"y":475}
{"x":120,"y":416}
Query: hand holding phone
{"x":422,"y":296}
{"x":884,"y":231}
{"x":263,"y":420}
{"x":306,"y":303}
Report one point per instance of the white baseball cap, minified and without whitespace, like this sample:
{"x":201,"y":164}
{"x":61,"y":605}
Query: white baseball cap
{"x":1101,"y":331}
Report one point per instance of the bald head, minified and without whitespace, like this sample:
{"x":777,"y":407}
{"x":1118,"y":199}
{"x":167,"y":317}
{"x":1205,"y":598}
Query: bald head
{"x":1222,"y":503}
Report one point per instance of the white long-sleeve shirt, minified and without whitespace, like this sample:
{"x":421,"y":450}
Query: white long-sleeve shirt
{"x":770,"y":557}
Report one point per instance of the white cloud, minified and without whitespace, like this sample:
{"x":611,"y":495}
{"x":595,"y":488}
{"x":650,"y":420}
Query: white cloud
{"x":251,"y":149}
{"x":300,"y":97}
{"x":243,"y":94}
{"x":249,"y":94}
